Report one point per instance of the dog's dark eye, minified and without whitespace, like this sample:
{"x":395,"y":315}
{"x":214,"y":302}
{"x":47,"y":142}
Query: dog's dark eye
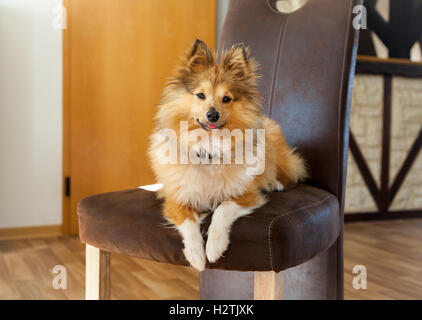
{"x":226,"y":99}
{"x":201,"y":96}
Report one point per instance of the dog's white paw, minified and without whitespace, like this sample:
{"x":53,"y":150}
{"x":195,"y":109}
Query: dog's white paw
{"x":195,"y":255}
{"x":217,"y":244}
{"x":219,"y":230}
{"x":194,"y":243}
{"x":277,"y":186}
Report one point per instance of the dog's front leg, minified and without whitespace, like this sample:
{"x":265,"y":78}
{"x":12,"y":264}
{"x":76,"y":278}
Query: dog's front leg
{"x":188,"y":224}
{"x":223,"y":218}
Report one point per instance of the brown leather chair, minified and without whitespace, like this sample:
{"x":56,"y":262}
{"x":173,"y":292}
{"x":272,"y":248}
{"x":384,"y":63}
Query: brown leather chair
{"x":307,"y":60}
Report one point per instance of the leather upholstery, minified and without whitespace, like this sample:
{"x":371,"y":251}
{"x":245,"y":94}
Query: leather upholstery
{"x":293,"y":227}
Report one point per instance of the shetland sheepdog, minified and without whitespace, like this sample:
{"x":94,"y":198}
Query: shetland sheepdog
{"x":207,"y":98}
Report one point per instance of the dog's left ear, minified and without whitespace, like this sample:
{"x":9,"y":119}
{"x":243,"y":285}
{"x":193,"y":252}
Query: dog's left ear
{"x":237,"y":60}
{"x":200,"y":57}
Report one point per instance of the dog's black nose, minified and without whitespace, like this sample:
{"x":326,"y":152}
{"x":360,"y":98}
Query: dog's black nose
{"x":213,"y":115}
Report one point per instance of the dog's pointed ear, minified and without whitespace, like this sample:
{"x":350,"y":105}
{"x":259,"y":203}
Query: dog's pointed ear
{"x":199,"y":57}
{"x":237,"y":60}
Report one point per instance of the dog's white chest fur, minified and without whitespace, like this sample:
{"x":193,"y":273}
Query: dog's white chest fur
{"x":204,"y":187}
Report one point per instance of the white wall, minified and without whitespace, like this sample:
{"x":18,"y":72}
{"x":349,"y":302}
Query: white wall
{"x":30,"y":114}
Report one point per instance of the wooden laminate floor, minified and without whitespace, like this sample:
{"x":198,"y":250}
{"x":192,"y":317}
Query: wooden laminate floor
{"x":391,"y":251}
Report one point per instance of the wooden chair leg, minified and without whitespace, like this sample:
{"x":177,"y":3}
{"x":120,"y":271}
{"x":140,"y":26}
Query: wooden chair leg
{"x":97,"y":274}
{"x":268,"y":286}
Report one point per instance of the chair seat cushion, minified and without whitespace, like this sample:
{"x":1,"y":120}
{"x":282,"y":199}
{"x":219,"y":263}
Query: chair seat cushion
{"x":293,"y":227}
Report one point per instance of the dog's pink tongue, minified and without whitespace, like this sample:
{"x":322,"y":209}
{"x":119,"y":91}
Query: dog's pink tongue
{"x":212,"y":126}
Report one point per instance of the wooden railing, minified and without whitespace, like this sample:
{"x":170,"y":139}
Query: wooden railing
{"x":385,"y":194}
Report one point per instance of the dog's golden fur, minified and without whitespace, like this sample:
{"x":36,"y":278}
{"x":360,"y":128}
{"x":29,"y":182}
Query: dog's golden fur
{"x":189,"y":189}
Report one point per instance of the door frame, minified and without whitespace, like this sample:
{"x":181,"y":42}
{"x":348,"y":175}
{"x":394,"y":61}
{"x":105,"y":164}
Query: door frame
{"x":66,"y":37}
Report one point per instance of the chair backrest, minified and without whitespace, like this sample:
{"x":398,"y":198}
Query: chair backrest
{"x":307,"y":59}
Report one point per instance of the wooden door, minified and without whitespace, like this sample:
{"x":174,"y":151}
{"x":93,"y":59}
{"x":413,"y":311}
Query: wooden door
{"x":117,"y":55}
